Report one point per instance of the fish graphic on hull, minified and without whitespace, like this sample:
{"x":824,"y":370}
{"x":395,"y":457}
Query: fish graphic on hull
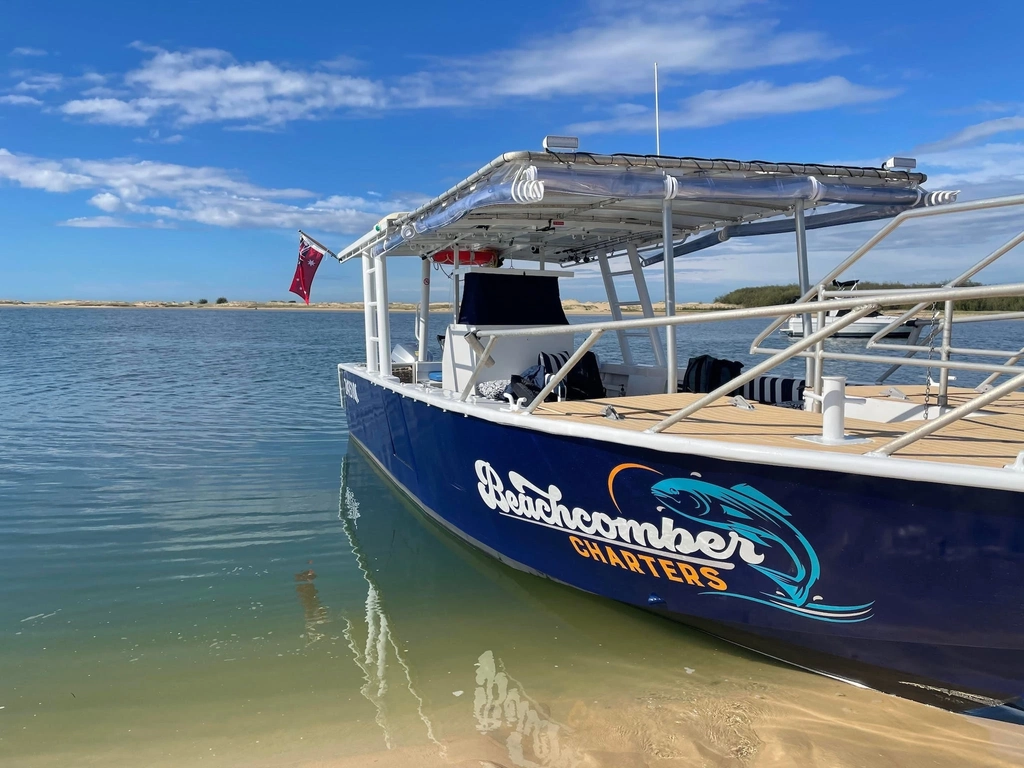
{"x":747,"y":512}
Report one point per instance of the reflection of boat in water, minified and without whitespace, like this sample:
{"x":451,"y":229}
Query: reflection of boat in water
{"x":862,"y":328}
{"x":391,"y":552}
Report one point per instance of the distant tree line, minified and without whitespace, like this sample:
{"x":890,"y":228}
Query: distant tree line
{"x":768,"y":295}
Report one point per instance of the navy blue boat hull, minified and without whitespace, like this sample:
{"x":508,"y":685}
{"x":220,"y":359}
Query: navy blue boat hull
{"x":906,"y":587}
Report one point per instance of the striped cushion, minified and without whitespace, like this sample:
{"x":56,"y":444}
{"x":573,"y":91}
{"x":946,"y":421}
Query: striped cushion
{"x":552,"y":361}
{"x":772,"y":390}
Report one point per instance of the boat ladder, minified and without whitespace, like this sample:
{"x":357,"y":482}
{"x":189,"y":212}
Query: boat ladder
{"x":635,"y":271}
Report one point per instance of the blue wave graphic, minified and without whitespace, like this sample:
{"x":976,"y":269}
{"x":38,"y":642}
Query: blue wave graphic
{"x":747,"y":512}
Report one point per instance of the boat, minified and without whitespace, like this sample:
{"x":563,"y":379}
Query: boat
{"x":864,"y":328}
{"x":868,"y":532}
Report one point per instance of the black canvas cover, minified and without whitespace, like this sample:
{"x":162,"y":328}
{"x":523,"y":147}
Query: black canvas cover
{"x":497,"y":299}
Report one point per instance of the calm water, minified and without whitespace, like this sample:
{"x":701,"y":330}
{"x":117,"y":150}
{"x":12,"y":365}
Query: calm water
{"x":196,"y":569}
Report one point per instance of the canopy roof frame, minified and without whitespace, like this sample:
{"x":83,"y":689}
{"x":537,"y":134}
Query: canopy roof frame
{"x":569,"y":227}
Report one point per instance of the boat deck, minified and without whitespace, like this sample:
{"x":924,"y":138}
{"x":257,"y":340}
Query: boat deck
{"x":992,"y":438}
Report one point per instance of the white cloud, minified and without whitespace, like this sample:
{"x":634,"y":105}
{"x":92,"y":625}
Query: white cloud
{"x":114,"y":111}
{"x":148,"y":194}
{"x":972,"y":134}
{"x":744,"y":102}
{"x":27,"y":52}
{"x":208,"y":85}
{"x":36,"y":173}
{"x":96,"y":222}
{"x":616,"y":55}
{"x":41,"y":82}
{"x":106,"y":201}
{"x":988,"y":170}
{"x":155,"y":137}
{"x":20,"y":100}
{"x":610,"y":56}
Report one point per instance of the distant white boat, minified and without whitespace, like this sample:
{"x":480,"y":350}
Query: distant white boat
{"x":862,"y":328}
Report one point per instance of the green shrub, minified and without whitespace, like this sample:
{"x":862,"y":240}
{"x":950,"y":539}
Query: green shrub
{"x":222,"y":300}
{"x":761,"y":296}
{"x":769,"y":295}
{"x":203,"y":301}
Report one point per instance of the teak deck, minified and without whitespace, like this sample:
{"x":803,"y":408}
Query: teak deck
{"x":993,"y":439}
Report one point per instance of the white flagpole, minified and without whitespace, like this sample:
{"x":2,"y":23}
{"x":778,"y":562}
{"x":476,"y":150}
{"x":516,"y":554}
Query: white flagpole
{"x":319,"y":245}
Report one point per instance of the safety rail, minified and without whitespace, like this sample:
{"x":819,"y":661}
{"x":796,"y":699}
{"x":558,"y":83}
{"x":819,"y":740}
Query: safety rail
{"x":826,"y":301}
{"x":857,"y":307}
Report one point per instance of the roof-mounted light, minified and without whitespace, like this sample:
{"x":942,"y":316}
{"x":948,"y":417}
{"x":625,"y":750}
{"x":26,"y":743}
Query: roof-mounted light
{"x":566,"y":143}
{"x":900,"y":164}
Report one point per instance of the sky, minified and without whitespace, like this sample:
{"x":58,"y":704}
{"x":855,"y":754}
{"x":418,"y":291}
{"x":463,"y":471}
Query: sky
{"x":170,"y":150}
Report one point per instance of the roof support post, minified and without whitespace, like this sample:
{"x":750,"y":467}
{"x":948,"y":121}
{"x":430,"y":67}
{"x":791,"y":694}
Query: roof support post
{"x":810,"y":375}
{"x":423,"y":316}
{"x":380,"y":275}
{"x":369,"y":312}
{"x":455,"y":283}
{"x":671,"y":369}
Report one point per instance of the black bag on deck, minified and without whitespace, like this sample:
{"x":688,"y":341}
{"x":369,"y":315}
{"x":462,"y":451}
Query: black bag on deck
{"x":520,"y":387}
{"x":706,"y":373}
{"x":584,"y":380}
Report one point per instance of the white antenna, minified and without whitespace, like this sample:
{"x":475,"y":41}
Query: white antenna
{"x":657,"y":114}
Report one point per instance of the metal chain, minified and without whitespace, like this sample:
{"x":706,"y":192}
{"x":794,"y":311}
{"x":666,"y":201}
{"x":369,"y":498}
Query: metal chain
{"x":931,"y":351}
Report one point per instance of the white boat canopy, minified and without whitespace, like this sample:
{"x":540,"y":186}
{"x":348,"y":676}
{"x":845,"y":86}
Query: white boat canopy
{"x":564,"y":207}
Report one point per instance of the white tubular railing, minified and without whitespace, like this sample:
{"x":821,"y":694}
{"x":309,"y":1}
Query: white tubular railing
{"x":857,"y":307}
{"x":562,"y":372}
{"x":972,"y":405}
{"x":733,"y":384}
{"x":875,"y":342}
{"x":884,"y":232}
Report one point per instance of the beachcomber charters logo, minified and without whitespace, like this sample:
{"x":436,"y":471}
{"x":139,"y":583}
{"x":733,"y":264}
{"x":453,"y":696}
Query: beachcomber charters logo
{"x":740,"y":527}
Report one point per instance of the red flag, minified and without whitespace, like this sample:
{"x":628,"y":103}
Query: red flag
{"x":309,"y":259}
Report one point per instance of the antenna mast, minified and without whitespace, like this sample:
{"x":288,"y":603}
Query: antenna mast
{"x":657,"y":114}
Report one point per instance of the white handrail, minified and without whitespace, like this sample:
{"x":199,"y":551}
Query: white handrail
{"x":805,"y":343}
{"x":975,"y":403}
{"x":857,"y":306}
{"x":884,"y":232}
{"x":776,"y":310}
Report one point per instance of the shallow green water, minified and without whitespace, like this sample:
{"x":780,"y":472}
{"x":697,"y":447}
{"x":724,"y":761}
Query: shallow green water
{"x":196,"y":568}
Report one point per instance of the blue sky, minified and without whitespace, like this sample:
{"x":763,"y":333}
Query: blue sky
{"x":169,"y":150}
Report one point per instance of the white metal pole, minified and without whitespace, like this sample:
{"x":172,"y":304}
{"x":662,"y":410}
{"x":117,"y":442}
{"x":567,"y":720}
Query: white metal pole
{"x":645,"y":301}
{"x":423,"y":318}
{"x":383,"y":321}
{"x":613,"y":305}
{"x":947,"y":341}
{"x":455,"y":284}
{"x":369,"y":313}
{"x":833,"y":409}
{"x":671,"y":370}
{"x":657,"y":114}
{"x":805,"y":280}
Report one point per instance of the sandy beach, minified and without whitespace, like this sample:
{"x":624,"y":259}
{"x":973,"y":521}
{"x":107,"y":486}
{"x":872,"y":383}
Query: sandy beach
{"x":571,"y":306}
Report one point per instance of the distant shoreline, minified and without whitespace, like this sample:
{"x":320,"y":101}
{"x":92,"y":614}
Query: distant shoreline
{"x":570,"y":306}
